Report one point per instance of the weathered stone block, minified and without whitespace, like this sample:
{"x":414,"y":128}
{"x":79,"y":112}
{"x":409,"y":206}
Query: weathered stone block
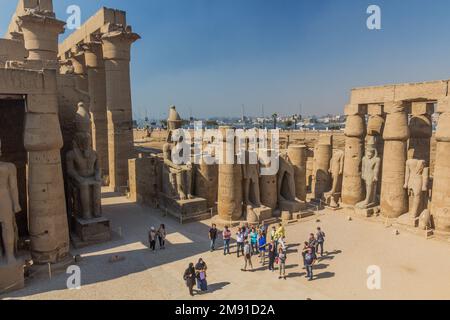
{"x":11,"y":277}
{"x":88,"y":232}
{"x":418,"y":108}
{"x":443,"y":105}
{"x":354,"y":109}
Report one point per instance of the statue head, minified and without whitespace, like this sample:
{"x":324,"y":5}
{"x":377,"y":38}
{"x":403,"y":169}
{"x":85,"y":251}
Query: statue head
{"x":83,"y":142}
{"x":174,"y":120}
{"x":371,"y":152}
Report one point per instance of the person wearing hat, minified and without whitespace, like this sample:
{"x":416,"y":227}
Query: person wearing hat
{"x":152,"y":238}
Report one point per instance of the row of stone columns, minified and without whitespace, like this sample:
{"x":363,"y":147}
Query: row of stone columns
{"x":403,"y":139}
{"x":105,"y":65}
{"x":48,"y":225}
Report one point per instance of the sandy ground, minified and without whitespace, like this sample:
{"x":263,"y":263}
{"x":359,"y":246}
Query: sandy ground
{"x":411,"y":266}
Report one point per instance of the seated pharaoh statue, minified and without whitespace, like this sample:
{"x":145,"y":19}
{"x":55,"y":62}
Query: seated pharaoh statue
{"x":177,"y":196}
{"x":11,"y":269}
{"x":85,"y":180}
{"x":84,"y":186}
{"x":287,"y":199}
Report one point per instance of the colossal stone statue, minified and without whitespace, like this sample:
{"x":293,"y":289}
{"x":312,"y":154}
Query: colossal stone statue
{"x":85,"y":182}
{"x":287,"y":199}
{"x":256,"y":212}
{"x":11,"y":270}
{"x":416,"y":182}
{"x":179,"y":175}
{"x":85,"y":176}
{"x":336,"y":171}
{"x":370,"y":174}
{"x":177,"y":196}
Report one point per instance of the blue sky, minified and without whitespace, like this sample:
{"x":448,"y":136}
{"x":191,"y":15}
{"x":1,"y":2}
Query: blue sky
{"x":213,"y":56}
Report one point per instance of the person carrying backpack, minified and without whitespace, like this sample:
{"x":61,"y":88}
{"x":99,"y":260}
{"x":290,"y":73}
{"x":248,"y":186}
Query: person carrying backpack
{"x":310,"y":259}
{"x":320,"y":236}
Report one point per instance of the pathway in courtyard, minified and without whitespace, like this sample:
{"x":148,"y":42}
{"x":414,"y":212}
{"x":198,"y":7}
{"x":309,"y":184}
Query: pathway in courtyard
{"x":411,"y":267}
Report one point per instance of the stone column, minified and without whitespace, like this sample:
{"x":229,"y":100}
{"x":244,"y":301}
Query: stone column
{"x":440,"y":204}
{"x":229,"y":204}
{"x":48,"y":225}
{"x":206,"y":183}
{"x":355,"y":131}
{"x":40,"y":35}
{"x":268,"y":184}
{"x":421,"y":129}
{"x":97,"y":92}
{"x":321,"y":175}
{"x":297,"y":155}
{"x":78,"y":60}
{"x":394,"y":202}
{"x":116,"y":53}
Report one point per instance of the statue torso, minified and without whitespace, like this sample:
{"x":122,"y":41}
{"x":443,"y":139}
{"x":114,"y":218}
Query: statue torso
{"x":84,"y":164}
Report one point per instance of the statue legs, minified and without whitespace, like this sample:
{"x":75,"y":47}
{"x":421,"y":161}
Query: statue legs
{"x":90,"y":199}
{"x":8,"y":239}
{"x":85,"y":201}
{"x":416,"y":204}
{"x":184,"y":184}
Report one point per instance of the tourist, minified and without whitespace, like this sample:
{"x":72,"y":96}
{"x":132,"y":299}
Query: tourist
{"x":240,"y":242}
{"x":282,"y":243}
{"x":189,"y":276}
{"x":246,"y":231}
{"x":310,"y":259}
{"x":226,"y":235}
{"x":312,"y":242}
{"x":152,"y":238}
{"x":320,"y":241}
{"x":262,"y":247}
{"x":273,"y":233}
{"x":200,"y":269}
{"x":272,"y":255}
{"x":304,"y":251}
{"x":282,"y":262}
{"x":254,"y":241}
{"x":247,"y":256}
{"x":213,"y":236}
{"x":162,"y":236}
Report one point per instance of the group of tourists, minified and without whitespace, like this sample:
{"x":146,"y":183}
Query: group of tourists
{"x":311,"y":250}
{"x":255,"y":241}
{"x":157,"y":235}
{"x":196,"y":274}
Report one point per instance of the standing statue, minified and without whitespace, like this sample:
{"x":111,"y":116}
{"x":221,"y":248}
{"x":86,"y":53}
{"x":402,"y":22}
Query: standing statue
{"x":9,"y":206}
{"x":370,"y":174}
{"x":416,"y":182}
{"x":287,"y":200}
{"x":85,"y":176}
{"x":336,"y":171}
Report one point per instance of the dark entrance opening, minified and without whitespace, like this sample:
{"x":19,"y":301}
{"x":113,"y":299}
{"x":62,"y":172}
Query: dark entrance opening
{"x":12,"y":123}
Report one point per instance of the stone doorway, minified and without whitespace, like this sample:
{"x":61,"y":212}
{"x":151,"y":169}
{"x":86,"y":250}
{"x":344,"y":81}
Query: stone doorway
{"x":12,"y":122}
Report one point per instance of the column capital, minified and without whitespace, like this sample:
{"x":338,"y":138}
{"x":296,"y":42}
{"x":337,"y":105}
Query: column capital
{"x":375,"y":109}
{"x":355,"y":109}
{"x":443,"y":105}
{"x":391,"y":107}
{"x":40,"y":35}
{"x":117,"y":44}
{"x":93,"y":54}
{"x":422,"y":108}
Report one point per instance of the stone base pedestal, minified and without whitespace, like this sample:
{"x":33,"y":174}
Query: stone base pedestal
{"x":45,"y":271}
{"x":291,"y":206}
{"x":90,"y":232}
{"x":185,"y":210}
{"x":369,"y":212}
{"x":408,"y":221}
{"x":331,"y":201}
{"x":258,"y":215}
{"x":286,"y":216}
{"x":11,"y":277}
